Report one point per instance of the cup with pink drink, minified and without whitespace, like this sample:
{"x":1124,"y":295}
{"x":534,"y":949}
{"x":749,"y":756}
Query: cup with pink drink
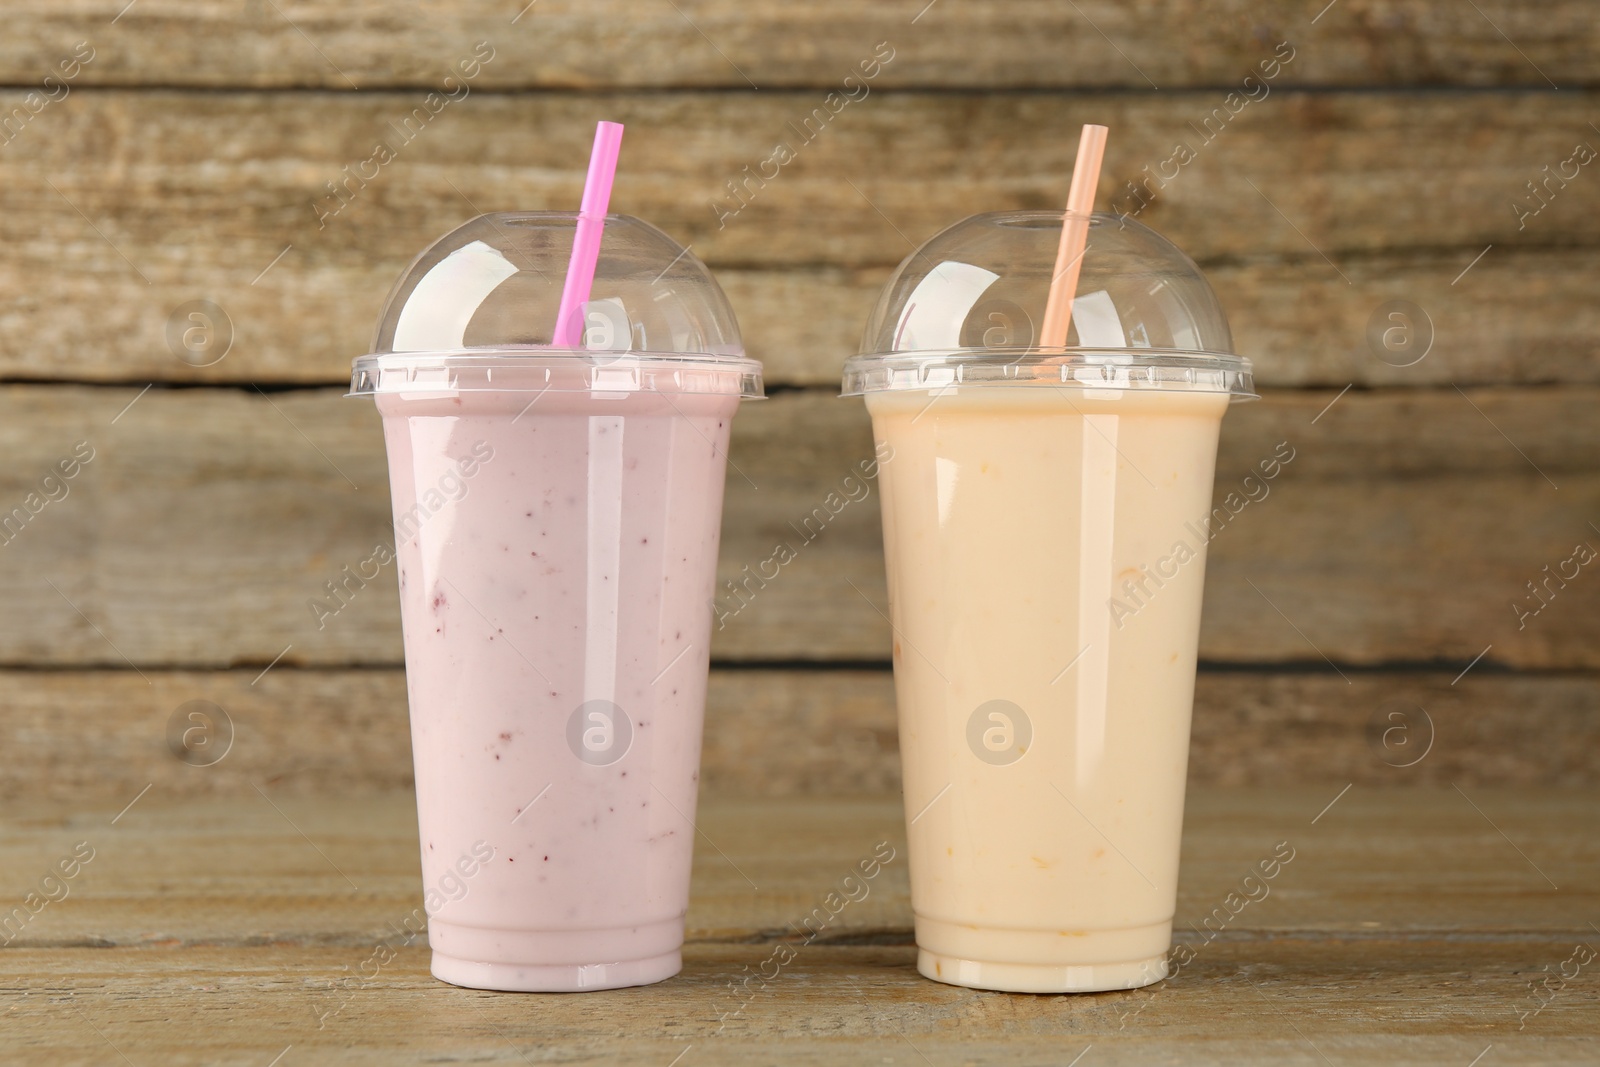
{"x":556,"y":391}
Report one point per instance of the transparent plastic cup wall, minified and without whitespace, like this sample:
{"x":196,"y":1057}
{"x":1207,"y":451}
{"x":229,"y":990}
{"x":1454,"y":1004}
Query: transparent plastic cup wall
{"x":557,"y":514}
{"x":1044,"y":524}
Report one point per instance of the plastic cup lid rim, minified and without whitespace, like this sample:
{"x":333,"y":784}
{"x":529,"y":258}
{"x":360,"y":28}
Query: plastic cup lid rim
{"x":1169,"y":370}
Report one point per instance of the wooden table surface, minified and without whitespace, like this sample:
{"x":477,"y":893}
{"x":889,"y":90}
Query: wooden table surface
{"x":1388,"y":580}
{"x":1412,"y":926}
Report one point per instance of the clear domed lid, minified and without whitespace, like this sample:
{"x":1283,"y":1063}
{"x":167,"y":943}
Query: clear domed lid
{"x":966,"y":308}
{"x":478,"y":310}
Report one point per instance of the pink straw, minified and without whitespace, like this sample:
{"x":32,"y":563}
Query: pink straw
{"x":586,"y":238}
{"x":1074,"y":237}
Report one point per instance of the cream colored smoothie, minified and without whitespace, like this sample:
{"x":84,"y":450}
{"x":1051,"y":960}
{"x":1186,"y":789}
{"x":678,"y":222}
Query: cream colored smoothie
{"x":1045,"y":523}
{"x":1046,"y":557}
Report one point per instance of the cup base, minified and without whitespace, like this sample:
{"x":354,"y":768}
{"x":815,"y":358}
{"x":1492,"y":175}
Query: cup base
{"x":555,"y":978}
{"x":1041,"y":977}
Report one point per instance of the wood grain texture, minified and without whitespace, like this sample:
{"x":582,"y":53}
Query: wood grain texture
{"x":1361,"y":867}
{"x":228,"y":905}
{"x":1374,"y":546}
{"x":106,"y":735}
{"x":1403,"y":930}
{"x":1421,"y":1003}
{"x":110,"y":224}
{"x":1525,"y":319}
{"x":729,"y":44}
{"x":210,"y":520}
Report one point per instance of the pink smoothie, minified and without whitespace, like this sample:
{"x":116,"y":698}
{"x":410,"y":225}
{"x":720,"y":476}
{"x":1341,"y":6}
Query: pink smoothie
{"x":551,"y":557}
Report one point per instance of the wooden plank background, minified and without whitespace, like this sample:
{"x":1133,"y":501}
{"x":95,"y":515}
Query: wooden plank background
{"x":599,"y":44}
{"x":1309,"y":210}
{"x":185,"y":159}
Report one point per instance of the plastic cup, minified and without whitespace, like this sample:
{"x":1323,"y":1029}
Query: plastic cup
{"x":1044,"y":521}
{"x":557,"y":513}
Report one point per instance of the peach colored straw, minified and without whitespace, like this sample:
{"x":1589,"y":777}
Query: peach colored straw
{"x":1074,"y":237}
